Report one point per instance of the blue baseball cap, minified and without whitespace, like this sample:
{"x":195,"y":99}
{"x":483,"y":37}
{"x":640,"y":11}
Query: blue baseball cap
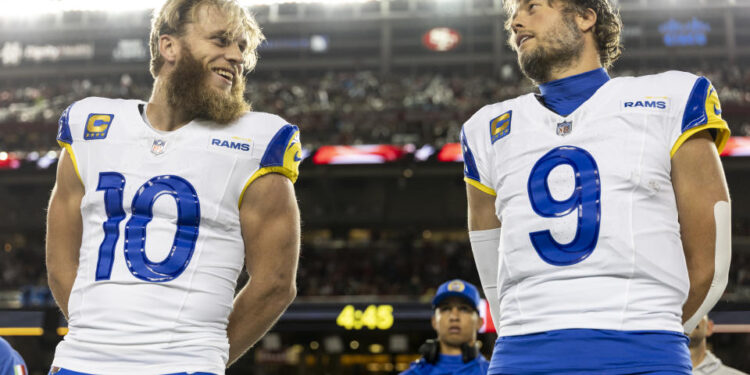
{"x":457,"y":288}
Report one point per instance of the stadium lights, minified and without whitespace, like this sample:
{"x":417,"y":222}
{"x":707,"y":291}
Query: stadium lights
{"x":28,"y":8}
{"x":251,"y":3}
{"x":31,"y":8}
{"x":37,"y":7}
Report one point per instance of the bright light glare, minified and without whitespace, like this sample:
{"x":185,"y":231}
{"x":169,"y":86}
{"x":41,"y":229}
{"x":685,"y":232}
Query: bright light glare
{"x":111,"y":6}
{"x":28,"y":8}
{"x":251,"y":3}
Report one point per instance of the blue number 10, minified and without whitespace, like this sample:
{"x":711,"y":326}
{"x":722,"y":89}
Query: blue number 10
{"x":188,"y":220}
{"x":585,"y":200}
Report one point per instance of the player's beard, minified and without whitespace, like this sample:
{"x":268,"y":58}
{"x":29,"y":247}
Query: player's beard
{"x":564,"y":44}
{"x":188,"y":90}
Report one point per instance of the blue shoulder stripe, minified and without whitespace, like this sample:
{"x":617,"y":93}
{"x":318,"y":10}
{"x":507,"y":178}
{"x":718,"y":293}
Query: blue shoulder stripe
{"x":63,"y":127}
{"x":274,"y":155}
{"x":470,"y":166}
{"x":695,"y":111}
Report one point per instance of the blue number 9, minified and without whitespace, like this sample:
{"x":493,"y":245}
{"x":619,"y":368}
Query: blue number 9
{"x":585,"y":200}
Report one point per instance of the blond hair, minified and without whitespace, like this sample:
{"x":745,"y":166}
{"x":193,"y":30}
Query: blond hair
{"x":175,"y":14}
{"x":606,"y":30}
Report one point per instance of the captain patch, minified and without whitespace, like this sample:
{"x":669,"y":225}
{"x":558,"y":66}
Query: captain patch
{"x":97,"y":126}
{"x":500,"y":126}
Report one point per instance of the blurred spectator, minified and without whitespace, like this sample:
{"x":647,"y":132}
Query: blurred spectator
{"x":335,"y":108}
{"x":329,"y":267}
{"x":705,"y":362}
{"x":11,"y":362}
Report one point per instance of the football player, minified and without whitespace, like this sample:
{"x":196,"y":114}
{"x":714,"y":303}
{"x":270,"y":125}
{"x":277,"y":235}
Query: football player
{"x":158,"y":205}
{"x":598,"y":209}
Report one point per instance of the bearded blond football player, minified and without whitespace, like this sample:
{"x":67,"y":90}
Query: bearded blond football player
{"x":598,"y":208}
{"x":159,"y":204}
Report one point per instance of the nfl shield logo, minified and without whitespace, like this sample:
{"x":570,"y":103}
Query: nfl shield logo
{"x":158,"y":147}
{"x":564,"y":128}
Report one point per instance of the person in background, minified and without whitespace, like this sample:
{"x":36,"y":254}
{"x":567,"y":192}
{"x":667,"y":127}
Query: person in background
{"x":456,"y":321}
{"x":705,"y":362}
{"x":11,"y":362}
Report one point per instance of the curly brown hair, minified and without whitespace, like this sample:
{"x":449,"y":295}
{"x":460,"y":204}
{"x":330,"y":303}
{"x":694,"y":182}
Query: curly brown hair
{"x":606,"y":30}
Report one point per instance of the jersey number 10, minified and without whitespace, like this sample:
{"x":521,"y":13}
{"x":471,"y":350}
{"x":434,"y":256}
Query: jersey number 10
{"x":188,"y":219}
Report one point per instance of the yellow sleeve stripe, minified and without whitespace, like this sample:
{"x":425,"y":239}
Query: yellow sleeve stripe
{"x":264,"y":171}
{"x":480,"y":186}
{"x":69,"y":148}
{"x":722,"y":135}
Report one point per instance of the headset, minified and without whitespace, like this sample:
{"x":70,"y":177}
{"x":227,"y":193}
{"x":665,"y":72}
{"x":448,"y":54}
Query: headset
{"x":430,"y":351}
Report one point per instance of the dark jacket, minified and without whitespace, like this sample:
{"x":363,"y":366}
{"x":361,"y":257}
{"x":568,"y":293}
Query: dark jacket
{"x":449,"y":365}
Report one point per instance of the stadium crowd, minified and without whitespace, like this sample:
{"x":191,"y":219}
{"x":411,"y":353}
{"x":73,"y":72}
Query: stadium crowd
{"x":328,"y":268}
{"x":334,"y":108}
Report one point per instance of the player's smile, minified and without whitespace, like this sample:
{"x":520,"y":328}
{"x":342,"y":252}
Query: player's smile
{"x":225,"y":74}
{"x":224,"y":77}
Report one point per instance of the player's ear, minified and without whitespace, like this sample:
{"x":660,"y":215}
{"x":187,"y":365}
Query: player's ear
{"x":168,"y":48}
{"x":434,"y":321}
{"x":709,"y":328}
{"x":586,"y":20}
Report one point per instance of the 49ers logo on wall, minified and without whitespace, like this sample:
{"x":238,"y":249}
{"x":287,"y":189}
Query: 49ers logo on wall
{"x":441,"y":39}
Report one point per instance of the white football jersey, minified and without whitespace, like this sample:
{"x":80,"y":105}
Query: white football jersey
{"x":161,"y":248}
{"x":590,"y":236}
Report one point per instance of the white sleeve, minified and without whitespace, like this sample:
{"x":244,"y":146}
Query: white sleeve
{"x":475,"y":147}
{"x":485,"y":246}
{"x":722,"y":257}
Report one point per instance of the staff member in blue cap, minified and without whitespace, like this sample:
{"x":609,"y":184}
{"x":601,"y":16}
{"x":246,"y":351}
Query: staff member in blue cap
{"x":456,"y":321}
{"x":10,"y":362}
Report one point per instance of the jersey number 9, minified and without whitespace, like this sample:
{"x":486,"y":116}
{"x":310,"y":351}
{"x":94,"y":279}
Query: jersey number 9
{"x":585,"y":200}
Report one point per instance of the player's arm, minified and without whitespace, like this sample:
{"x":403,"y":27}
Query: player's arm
{"x":484,"y":226}
{"x":64,"y":230}
{"x":484,"y":234}
{"x":481,"y":209}
{"x":270,"y":223}
{"x":705,"y":223}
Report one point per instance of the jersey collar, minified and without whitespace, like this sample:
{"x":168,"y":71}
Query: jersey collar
{"x":565,"y":95}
